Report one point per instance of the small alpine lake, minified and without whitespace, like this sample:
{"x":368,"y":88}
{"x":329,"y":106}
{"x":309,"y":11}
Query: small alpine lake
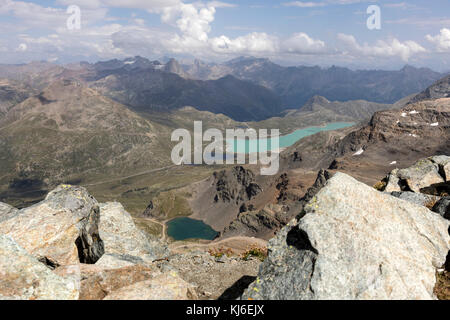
{"x":262,"y":145}
{"x":184,"y":228}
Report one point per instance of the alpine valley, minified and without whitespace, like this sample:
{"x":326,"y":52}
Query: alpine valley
{"x":94,"y":208}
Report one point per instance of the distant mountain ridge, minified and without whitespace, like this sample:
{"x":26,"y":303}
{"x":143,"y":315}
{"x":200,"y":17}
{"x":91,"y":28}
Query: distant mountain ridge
{"x":245,"y":89}
{"x":296,"y":85}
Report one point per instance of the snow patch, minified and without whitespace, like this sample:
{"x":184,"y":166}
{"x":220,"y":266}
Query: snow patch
{"x":413,"y":112}
{"x":359,"y":152}
{"x":392,"y":163}
{"x":129,"y":62}
{"x":404,"y":114}
{"x":434,"y":124}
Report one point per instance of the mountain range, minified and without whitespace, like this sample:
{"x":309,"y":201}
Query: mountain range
{"x":296,"y":85}
{"x":244,"y":89}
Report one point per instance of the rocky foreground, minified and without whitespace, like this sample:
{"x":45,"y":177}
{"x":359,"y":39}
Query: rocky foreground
{"x":350,"y":241}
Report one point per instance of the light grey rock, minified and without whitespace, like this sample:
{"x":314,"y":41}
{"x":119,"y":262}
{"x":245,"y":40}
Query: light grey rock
{"x":422,"y":174}
{"x":354,"y":243}
{"x":124,"y":243}
{"x":443,"y":207}
{"x":61,"y":230}
{"x":23,"y":277}
{"x":420,"y":199}
{"x":7,"y":211}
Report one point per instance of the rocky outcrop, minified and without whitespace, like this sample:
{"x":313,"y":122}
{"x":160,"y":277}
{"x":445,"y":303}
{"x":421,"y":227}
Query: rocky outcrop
{"x":61,"y":230}
{"x":353,"y":242}
{"x":395,"y":138}
{"x":260,"y":223}
{"x":23,"y":277}
{"x":124,"y":243}
{"x":440,"y":89}
{"x":236,"y":186}
{"x":422,"y":174}
{"x":71,"y":247}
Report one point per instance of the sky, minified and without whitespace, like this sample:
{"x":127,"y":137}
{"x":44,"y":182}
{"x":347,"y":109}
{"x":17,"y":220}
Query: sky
{"x":360,"y":34}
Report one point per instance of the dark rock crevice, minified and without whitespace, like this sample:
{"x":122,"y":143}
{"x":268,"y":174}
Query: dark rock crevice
{"x":89,"y":245}
{"x":299,"y":239}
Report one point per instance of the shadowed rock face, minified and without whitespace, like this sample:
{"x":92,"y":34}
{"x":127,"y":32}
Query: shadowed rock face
{"x":443,"y":207}
{"x":354,"y":242}
{"x":62,"y":229}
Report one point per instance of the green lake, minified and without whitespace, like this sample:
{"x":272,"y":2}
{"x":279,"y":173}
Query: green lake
{"x":186,"y":228}
{"x":262,"y":145}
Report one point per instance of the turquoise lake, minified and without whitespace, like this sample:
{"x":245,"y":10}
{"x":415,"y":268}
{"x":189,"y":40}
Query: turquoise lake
{"x":186,"y":228}
{"x":263,"y":145}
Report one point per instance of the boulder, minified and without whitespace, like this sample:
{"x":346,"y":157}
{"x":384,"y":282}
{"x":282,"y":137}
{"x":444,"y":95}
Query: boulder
{"x":354,"y":242}
{"x":23,"y":277}
{"x":422,"y":174}
{"x":124,"y":243}
{"x":167,"y":286}
{"x":443,"y":207}
{"x":7,"y":211}
{"x":61,"y":230}
{"x":420,"y":199}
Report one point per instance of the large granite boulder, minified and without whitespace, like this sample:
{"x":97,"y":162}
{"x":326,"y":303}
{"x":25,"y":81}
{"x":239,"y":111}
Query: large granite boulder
{"x":354,"y":242}
{"x":60,"y":230}
{"x":23,"y":277}
{"x":124,"y":243}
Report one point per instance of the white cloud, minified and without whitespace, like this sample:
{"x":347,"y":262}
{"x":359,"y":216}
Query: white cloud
{"x":191,"y":21}
{"x":386,"y":49}
{"x":441,"y":41}
{"x":255,"y":42}
{"x":301,"y":43}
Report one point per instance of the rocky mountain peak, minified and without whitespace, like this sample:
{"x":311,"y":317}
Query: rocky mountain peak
{"x":173,"y":66}
{"x":315,"y":101}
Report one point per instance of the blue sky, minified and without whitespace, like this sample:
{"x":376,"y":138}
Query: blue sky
{"x":320,"y":32}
